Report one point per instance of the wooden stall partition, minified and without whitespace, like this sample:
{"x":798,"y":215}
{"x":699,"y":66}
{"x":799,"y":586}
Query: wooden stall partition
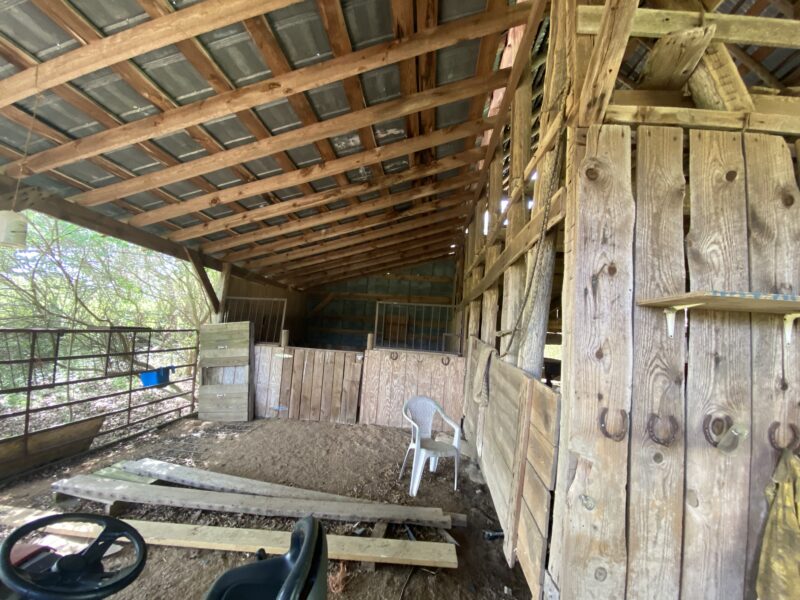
{"x":307,"y":383}
{"x":393,"y":376}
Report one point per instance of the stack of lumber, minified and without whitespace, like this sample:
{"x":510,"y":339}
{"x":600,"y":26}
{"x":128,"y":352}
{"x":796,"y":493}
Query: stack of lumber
{"x":227,"y":493}
{"x":340,"y":547}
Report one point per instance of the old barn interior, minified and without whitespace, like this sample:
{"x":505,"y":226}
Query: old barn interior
{"x":574,"y":225}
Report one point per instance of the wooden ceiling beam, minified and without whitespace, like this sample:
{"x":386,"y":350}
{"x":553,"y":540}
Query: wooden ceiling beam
{"x":335,"y":231}
{"x":393,"y":250}
{"x":673,"y":58}
{"x":305,"y":175}
{"x":339,"y":39}
{"x":403,"y":24}
{"x":151,"y":35}
{"x":427,"y":16}
{"x":398,"y":251}
{"x":278,"y":87}
{"x":371,"y":250}
{"x":731,"y":29}
{"x":295,"y":138}
{"x":376,"y":267}
{"x":374,"y":236}
{"x":353,"y":210}
{"x":327,"y":196}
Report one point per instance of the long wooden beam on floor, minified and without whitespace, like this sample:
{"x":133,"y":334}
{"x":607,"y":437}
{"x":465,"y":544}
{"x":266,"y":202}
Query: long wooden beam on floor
{"x":93,"y":487}
{"x":295,"y":138}
{"x":307,"y":174}
{"x":187,"y":23}
{"x":328,"y":196}
{"x":229,"y":539}
{"x":277,"y":88}
{"x":730,"y":29}
{"x":382,"y":235}
{"x":334,"y":231}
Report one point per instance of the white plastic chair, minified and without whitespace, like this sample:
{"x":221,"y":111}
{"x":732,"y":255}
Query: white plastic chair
{"x":419,"y":411}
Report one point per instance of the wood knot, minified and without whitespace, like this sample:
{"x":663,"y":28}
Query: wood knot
{"x":592,"y":174}
{"x":612,"y":269}
{"x":599,"y":353}
{"x":730,"y":176}
{"x":787,"y":200}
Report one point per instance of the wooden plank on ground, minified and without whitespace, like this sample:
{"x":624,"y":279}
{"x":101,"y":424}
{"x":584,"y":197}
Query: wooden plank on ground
{"x":719,"y":381}
{"x":378,"y":531}
{"x":219,"y":482}
{"x":136,"y":493}
{"x":773,"y":201}
{"x":594,"y":544}
{"x":205,"y":537}
{"x":655,"y":514}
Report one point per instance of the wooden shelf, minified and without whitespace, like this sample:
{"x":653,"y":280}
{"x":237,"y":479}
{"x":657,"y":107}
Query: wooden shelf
{"x":776,"y":304}
{"x":779,"y":304}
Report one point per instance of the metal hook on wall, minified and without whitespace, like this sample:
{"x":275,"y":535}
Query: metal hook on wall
{"x":617,"y":437}
{"x":792,"y":445}
{"x":674,"y":427}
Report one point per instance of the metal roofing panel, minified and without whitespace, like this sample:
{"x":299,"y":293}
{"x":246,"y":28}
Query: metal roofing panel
{"x":233,"y":50}
{"x":349,"y":143}
{"x":89,"y":173}
{"x":300,"y":33}
{"x":60,"y":115}
{"x":326,"y":183}
{"x":223,"y":178}
{"x":22,"y":22}
{"x":111,"y":17}
{"x":449,"y":10}
{"x":6,"y":68}
{"x":390,"y":131}
{"x":453,"y":113}
{"x":450,"y":148}
{"x":112,"y":210}
{"x":175,"y":75}
{"x":288,"y":193}
{"x":134,"y":159}
{"x":369,"y":22}
{"x":381,"y":84}
{"x":115,"y":95}
{"x":279,"y":116}
{"x":56,"y":186}
{"x":264,"y":167}
{"x":15,"y":136}
{"x":329,"y":100}
{"x":181,"y":146}
{"x":145,"y":200}
{"x":304,"y":156}
{"x":395,"y":165}
{"x":229,"y":131}
{"x":457,"y":62}
{"x":184,"y":190}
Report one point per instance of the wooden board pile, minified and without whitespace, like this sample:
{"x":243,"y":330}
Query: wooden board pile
{"x":131,"y":482}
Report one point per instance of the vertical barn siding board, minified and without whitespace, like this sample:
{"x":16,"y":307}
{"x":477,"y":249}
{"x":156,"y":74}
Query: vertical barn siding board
{"x":338,"y":407}
{"x":601,"y":367}
{"x":717,"y":483}
{"x":275,"y":374}
{"x":306,"y":385}
{"x":263,"y":363}
{"x":316,"y":384}
{"x":394,"y":410}
{"x":371,"y":387}
{"x":286,"y":382}
{"x":439,"y":384}
{"x":536,"y":497}
{"x":655,"y":514}
{"x":296,"y":397}
{"x":385,"y":389}
{"x":352,"y":382}
{"x":327,"y":387}
{"x":774,"y":224}
{"x":531,"y":551}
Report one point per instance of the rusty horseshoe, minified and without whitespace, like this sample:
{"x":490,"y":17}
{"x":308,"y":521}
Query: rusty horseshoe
{"x":673,"y":430}
{"x":617,"y":437}
{"x":792,"y":445}
{"x":710,"y":420}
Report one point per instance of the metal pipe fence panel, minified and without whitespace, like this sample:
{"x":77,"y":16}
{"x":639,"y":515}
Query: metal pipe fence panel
{"x":413,"y":326}
{"x":267,"y":314}
{"x":54,"y":378}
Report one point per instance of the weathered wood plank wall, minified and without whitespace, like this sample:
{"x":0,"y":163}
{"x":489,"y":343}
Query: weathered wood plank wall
{"x":307,"y":384}
{"x":393,"y":376}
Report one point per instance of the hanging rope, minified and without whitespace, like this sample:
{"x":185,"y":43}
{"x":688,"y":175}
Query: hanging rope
{"x":25,"y":151}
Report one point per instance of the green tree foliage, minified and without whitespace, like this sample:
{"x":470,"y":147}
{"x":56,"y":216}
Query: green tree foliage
{"x":71,"y":277}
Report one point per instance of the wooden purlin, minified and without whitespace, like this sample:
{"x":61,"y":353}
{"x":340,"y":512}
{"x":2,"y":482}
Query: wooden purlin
{"x":352,"y":190}
{"x":295,"y":138}
{"x":140,"y":39}
{"x":427,"y":16}
{"x":277,"y":88}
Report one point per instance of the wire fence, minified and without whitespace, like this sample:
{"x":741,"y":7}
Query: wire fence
{"x":51,"y":379}
{"x":424,"y":327}
{"x":267,"y":314}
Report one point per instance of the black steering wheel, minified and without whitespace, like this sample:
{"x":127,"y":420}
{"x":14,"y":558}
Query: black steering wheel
{"x":79,"y":576}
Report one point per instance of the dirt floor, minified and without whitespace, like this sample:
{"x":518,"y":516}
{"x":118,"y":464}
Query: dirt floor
{"x":358,"y":461}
